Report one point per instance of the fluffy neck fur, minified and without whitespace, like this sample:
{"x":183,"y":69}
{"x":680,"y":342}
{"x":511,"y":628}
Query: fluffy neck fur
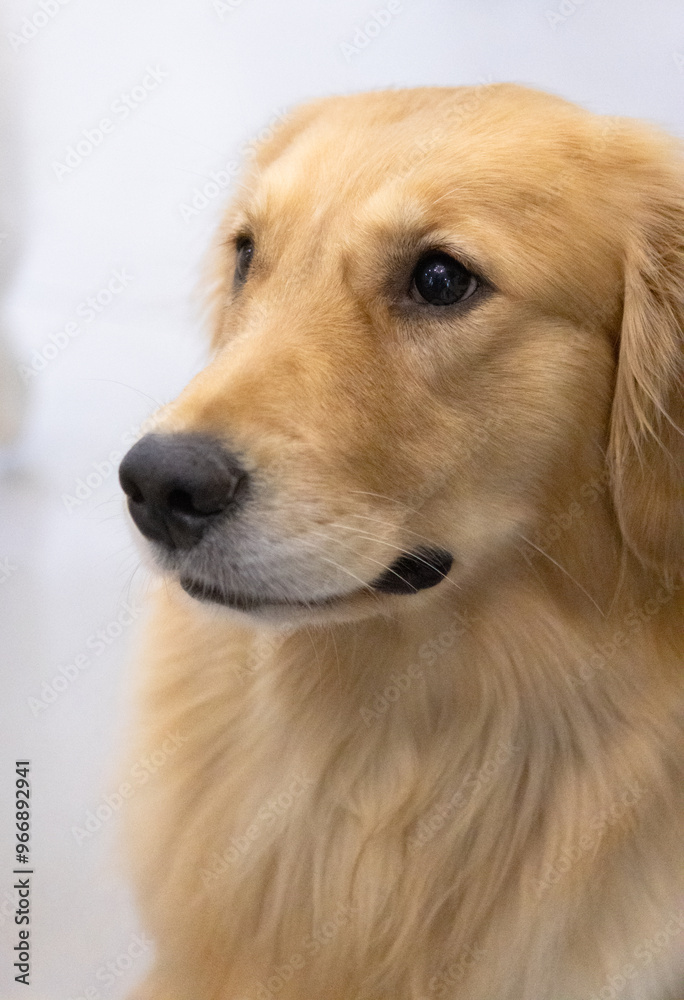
{"x":461,"y":771}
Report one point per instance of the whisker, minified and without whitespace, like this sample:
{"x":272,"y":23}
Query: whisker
{"x":318,"y":659}
{"x":381,"y":496}
{"x":333,"y":562}
{"x":378,"y":520}
{"x":127,"y":585}
{"x":563,"y":570}
{"x":337,"y":659}
{"x":133,"y":388}
{"x":377,"y":562}
{"x":376,"y":538}
{"x":103,"y":503}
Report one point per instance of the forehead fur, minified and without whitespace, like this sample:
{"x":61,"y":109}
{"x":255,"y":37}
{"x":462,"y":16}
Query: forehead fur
{"x":542,"y":195}
{"x":538,"y":191}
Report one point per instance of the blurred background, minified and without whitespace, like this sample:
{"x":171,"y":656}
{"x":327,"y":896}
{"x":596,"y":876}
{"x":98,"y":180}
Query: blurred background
{"x":122,"y":125}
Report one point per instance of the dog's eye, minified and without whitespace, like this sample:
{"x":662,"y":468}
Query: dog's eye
{"x":244,"y":251}
{"x":440,"y":280}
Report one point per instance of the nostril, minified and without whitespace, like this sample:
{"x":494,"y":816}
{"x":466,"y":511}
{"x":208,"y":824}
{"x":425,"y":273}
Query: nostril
{"x":181,"y":502}
{"x":130,"y":487}
{"x":135,"y":493}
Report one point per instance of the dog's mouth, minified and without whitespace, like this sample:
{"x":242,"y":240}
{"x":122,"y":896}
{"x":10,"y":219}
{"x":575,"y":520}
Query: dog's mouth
{"x":410,"y":573}
{"x":247,"y":602}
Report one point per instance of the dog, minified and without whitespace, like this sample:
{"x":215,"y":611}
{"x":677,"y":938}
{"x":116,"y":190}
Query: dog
{"x":417,"y":641}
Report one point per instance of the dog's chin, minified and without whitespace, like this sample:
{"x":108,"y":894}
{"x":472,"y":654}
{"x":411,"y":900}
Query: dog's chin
{"x":410,"y":573}
{"x":283,"y":612}
{"x":250,"y":602}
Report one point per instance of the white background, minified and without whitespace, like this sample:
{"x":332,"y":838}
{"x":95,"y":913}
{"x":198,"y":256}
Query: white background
{"x":226,"y":75}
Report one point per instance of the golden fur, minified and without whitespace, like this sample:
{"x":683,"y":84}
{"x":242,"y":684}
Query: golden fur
{"x":480,"y":786}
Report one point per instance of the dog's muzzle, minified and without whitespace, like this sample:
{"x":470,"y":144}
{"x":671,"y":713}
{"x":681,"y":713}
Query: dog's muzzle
{"x":179,"y":486}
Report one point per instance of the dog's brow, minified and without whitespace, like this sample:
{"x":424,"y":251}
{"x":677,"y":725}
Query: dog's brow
{"x":411,"y":234}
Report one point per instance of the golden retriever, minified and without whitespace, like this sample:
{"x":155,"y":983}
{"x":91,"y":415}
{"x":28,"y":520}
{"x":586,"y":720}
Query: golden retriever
{"x":419,"y":636}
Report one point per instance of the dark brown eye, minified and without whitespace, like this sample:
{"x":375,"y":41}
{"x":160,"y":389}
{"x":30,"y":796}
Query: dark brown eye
{"x":244,"y":251}
{"x":440,"y":280}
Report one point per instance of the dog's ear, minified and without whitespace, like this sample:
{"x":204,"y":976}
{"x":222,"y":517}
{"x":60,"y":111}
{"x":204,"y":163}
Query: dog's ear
{"x":646,"y":452}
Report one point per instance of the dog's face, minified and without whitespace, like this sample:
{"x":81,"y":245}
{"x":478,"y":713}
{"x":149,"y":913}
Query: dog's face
{"x":417,"y":311}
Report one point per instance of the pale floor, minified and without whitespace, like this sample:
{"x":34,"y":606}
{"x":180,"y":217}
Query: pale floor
{"x":67,"y":572}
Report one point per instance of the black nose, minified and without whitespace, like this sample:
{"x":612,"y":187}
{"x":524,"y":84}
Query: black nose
{"x":178,"y":485}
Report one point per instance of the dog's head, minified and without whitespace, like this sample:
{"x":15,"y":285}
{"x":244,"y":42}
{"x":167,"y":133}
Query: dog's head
{"x":435,"y":312}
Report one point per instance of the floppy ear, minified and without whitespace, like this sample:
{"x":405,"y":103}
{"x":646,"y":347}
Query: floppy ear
{"x":646,"y":452}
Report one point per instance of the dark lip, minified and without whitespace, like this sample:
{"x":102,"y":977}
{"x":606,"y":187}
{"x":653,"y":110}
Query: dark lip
{"x":241,"y":602}
{"x":411,"y":572}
